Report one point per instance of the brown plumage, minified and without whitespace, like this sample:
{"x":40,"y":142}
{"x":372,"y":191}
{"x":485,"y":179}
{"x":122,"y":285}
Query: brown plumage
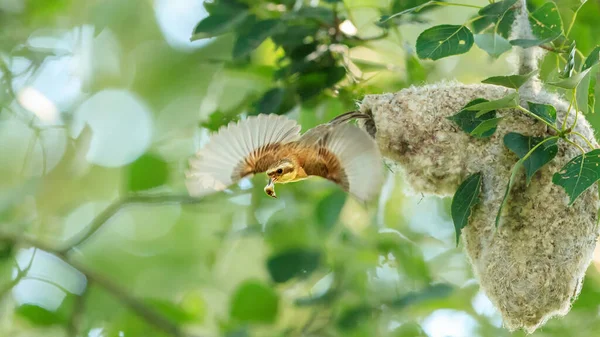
{"x":335,"y":151}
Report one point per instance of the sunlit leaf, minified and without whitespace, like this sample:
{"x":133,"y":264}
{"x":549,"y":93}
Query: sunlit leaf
{"x":256,"y":34}
{"x":171,"y":311}
{"x":528,"y":43}
{"x":465,"y":198}
{"x":40,"y":316}
{"x":486,"y":127}
{"x":444,"y":40}
{"x":254,"y":302}
{"x":506,"y":102}
{"x":329,"y":209}
{"x":511,"y":81}
{"x":521,"y":145}
{"x":415,"y":70}
{"x":571,"y":82}
{"x":493,"y":44}
{"x":579,"y":174}
{"x":470,"y":123}
{"x":570,"y":65}
{"x":147,"y":172}
{"x":591,"y":103}
{"x":545,"y":22}
{"x":592,"y":59}
{"x":293,"y":263}
{"x":367,"y":66}
{"x":587,"y":84}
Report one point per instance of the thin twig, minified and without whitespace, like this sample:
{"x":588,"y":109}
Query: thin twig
{"x":148,"y":314}
{"x":138,"y":307}
{"x":116,"y":206}
{"x":587,"y":141}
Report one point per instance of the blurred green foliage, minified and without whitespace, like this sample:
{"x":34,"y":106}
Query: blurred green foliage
{"x":134,"y":89}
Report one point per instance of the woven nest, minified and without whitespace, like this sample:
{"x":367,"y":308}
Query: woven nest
{"x":533,"y":265}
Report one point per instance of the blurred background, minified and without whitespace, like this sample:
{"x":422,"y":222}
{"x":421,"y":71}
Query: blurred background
{"x":103,"y":101}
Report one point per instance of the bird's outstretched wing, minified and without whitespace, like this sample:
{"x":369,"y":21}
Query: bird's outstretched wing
{"x":239,"y":150}
{"x":346,"y":155}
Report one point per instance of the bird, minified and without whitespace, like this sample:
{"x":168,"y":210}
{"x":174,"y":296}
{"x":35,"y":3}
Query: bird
{"x":338,"y":151}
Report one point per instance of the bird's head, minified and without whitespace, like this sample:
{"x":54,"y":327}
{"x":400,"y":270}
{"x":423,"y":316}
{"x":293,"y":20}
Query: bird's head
{"x":283,"y":171}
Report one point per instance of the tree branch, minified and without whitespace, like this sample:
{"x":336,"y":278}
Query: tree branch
{"x":147,"y":313}
{"x":115,"y":207}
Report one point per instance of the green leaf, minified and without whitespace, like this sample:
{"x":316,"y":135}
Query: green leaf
{"x":465,"y":198}
{"x":493,"y":44}
{"x":504,"y":26}
{"x":570,"y":65}
{"x":432,"y":292}
{"x":6,"y":249}
{"x":506,"y":102}
{"x":256,"y":34}
{"x":512,"y":81}
{"x":414,"y":9}
{"x":528,"y":43}
{"x":513,"y":175}
{"x":591,"y":103}
{"x":469,"y":122}
{"x":544,"y":111}
{"x":353,"y":317}
{"x":495,"y":11}
{"x":571,"y":82}
{"x":592,"y":59}
{"x":329,"y":209}
{"x":545,"y":22}
{"x":444,"y":40}
{"x":270,"y":101}
{"x":486,"y":128}
{"x":171,"y":311}
{"x":40,"y":316}
{"x":296,"y":262}
{"x":579,"y":174}
{"x":254,"y":302}
{"x":521,"y":145}
{"x":583,"y":90}
{"x":223,"y":19}
{"x":367,"y":66}
{"x":147,"y":172}
{"x":218,"y":119}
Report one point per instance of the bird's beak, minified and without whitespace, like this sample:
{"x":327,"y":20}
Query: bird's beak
{"x":270,"y":189}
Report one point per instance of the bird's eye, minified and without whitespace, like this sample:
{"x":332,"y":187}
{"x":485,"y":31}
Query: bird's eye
{"x":280,"y":171}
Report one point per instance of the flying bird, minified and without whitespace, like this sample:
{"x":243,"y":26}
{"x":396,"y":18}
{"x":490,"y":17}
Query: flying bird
{"x":337,"y":151}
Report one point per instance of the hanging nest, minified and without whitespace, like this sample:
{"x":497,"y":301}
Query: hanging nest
{"x":532,"y":266}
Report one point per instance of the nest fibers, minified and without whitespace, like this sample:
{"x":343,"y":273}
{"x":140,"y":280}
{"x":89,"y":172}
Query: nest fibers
{"x":532,"y":266}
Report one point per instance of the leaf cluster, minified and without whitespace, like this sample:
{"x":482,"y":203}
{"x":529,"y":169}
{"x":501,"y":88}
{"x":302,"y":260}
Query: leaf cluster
{"x":304,"y":40}
{"x":478,"y":119}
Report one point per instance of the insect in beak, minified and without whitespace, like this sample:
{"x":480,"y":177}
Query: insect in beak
{"x":270,"y":189}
